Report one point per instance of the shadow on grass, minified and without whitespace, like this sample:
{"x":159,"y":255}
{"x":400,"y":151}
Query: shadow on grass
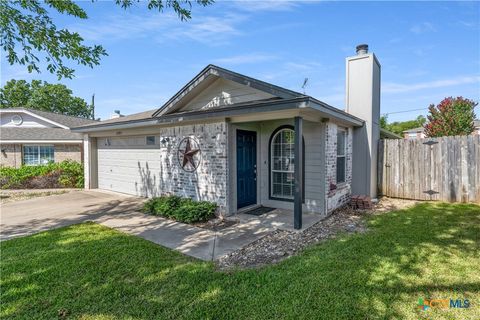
{"x":89,"y":271}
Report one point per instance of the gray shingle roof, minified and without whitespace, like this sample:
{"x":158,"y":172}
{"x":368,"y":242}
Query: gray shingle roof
{"x":419,"y":129}
{"x":132,"y":117}
{"x":68,"y":121}
{"x":476,"y":123}
{"x":9,"y":134}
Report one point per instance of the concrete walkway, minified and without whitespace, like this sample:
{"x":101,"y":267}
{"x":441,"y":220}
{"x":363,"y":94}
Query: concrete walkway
{"x":122,"y":213}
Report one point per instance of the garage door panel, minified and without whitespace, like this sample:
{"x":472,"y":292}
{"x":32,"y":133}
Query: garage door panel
{"x":124,"y":169}
{"x":130,"y":154}
{"x":124,"y":165}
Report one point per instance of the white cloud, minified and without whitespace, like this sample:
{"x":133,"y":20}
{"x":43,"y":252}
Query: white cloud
{"x":161,"y":27}
{"x":423,"y":28}
{"x":398,"y":87}
{"x":265,"y":5}
{"x":208,"y":30}
{"x":245,"y":59}
{"x":468,"y":24}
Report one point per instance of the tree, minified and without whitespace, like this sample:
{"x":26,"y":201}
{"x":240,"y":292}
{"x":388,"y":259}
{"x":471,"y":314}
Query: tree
{"x":43,"y":96}
{"x":399,"y":126}
{"x":30,"y":35}
{"x":451,"y":117}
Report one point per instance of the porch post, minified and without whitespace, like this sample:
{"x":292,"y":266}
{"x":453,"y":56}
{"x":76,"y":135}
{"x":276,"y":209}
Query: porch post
{"x":298,"y":174}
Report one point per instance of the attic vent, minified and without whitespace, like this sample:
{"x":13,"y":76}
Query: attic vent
{"x":17,"y":120}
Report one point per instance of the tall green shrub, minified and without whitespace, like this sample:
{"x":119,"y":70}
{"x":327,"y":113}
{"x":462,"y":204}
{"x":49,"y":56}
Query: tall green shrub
{"x":66,"y":174}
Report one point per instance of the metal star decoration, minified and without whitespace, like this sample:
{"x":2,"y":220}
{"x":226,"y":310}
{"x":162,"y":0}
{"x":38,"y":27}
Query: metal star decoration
{"x":188,"y":155}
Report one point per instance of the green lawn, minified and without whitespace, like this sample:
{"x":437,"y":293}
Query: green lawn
{"x":88,"y":271}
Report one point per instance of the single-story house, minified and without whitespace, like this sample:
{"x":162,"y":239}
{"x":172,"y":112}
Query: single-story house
{"x":418,"y":133}
{"x":33,"y":137}
{"x":242,"y":143}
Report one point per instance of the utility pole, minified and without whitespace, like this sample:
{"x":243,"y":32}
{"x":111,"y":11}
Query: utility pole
{"x":93,"y":106}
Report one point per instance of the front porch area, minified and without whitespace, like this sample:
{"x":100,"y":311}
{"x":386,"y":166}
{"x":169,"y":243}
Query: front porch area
{"x":287,"y":159}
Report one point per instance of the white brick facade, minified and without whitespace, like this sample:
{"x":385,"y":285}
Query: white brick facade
{"x":209,"y":181}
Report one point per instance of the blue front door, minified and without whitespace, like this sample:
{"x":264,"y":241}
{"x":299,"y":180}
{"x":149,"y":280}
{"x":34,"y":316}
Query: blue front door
{"x":246,"y":168}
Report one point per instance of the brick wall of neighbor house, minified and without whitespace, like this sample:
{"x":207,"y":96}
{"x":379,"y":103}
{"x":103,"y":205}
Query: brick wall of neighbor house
{"x":209,"y":181}
{"x":68,"y":152}
{"x":11,"y":155}
{"x":337,"y":197}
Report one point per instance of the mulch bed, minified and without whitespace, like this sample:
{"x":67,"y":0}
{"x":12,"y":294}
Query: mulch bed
{"x":281,"y":244}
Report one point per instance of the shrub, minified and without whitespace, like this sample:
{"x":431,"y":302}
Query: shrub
{"x":66,"y":174}
{"x":71,"y":174}
{"x":180,"y":209}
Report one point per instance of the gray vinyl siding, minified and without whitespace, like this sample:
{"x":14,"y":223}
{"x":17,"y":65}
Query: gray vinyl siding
{"x":314,"y":135}
{"x":224,"y":92}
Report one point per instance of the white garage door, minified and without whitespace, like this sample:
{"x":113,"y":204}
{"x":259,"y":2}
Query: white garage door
{"x":129,"y":164}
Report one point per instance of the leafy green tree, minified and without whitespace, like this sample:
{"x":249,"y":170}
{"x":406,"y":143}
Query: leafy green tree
{"x":399,"y":126}
{"x":384,"y":122}
{"x":43,"y":96}
{"x":451,"y":117}
{"x":29,"y":34}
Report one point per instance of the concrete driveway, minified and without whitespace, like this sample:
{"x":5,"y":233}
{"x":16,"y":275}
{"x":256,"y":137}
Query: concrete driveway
{"x":21,"y":218}
{"x":121,"y":212}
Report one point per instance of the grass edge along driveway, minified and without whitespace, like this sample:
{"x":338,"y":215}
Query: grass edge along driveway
{"x":88,"y":271}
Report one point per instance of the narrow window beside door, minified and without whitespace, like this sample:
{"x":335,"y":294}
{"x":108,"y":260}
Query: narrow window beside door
{"x":282,"y":164}
{"x":341,"y":155}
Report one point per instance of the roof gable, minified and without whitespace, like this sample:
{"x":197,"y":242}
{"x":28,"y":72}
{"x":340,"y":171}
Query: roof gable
{"x":54,"y":119}
{"x":222,"y":93}
{"x":213,"y":78}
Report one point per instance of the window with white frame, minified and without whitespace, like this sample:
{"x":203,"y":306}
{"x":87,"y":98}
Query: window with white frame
{"x":341,"y":155}
{"x":37,"y":155}
{"x":282,"y":164}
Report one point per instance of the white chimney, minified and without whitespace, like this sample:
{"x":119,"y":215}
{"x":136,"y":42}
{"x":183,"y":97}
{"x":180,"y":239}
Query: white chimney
{"x":363,"y":101}
{"x":116,"y":114}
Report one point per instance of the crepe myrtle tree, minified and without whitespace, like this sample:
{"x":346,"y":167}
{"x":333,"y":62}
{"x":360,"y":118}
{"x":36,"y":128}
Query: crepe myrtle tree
{"x":30,"y":37}
{"x":451,"y":117}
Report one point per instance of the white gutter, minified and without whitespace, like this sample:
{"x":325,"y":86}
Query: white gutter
{"x":116,"y":126}
{"x":40,"y":141}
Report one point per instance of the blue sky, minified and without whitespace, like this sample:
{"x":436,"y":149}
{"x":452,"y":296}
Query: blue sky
{"x":428,"y":50}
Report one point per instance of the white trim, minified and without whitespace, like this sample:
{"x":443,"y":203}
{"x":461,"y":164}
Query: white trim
{"x":35,"y":116}
{"x":40,"y":141}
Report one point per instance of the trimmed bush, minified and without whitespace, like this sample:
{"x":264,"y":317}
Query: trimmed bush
{"x":180,"y":209}
{"x":66,"y":174}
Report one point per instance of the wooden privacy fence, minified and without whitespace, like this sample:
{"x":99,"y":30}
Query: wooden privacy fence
{"x":446,"y":168}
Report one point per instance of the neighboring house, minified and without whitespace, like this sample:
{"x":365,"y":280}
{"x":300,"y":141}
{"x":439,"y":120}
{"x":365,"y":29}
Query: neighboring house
{"x":33,"y":137}
{"x":418,"y":133}
{"x":232,"y":139}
